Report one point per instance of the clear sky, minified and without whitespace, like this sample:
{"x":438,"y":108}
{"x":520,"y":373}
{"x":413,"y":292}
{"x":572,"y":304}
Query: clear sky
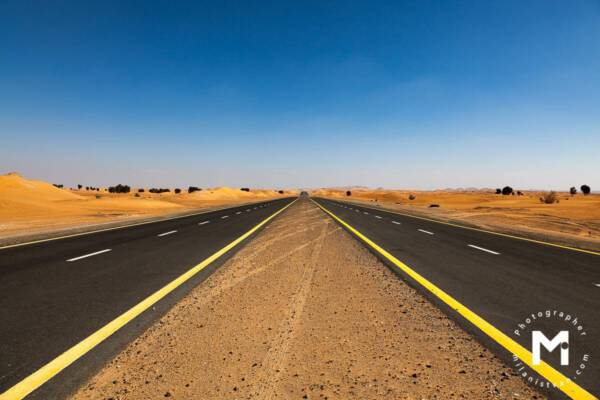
{"x":412,"y":94}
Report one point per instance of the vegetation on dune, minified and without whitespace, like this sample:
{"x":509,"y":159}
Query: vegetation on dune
{"x":245,"y":189}
{"x":177,"y":191}
{"x":119,"y":189}
{"x":193,"y":189}
{"x":348,"y":193}
{"x":507,"y":190}
{"x":161,"y":190}
{"x":585,"y":189}
{"x":573,"y":190}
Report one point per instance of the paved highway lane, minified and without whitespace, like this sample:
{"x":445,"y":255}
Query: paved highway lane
{"x":501,"y":279}
{"x":55,"y":293}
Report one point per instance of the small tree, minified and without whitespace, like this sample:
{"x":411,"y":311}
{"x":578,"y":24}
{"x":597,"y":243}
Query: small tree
{"x":119,"y":189}
{"x":507,"y":190}
{"x":280,"y":192}
{"x":193,"y":189}
{"x":519,"y":193}
{"x":498,"y":191}
{"x":245,"y":189}
{"x":348,"y":193}
{"x":177,"y":191}
{"x":573,"y":190}
{"x":157,"y":190}
{"x":140,"y":190}
{"x":585,"y":189}
{"x":412,"y":197}
{"x":79,"y":186}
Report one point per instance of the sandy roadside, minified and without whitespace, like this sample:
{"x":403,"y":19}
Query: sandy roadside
{"x":580,"y":233}
{"x":32,"y":209}
{"x":304,"y":311}
{"x":71,"y":226}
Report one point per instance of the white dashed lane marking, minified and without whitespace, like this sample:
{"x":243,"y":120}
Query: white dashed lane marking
{"x":396,"y":222}
{"x":378,"y":217}
{"x":167,"y":233}
{"x":482,"y":249}
{"x":88,"y":255}
{"x":424,"y":231}
{"x":225,"y":216}
{"x":203,"y":223}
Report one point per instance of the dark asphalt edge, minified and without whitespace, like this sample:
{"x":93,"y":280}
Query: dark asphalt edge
{"x":73,"y":377}
{"x":550,"y":240}
{"x":58,"y":234}
{"x":487,"y":342}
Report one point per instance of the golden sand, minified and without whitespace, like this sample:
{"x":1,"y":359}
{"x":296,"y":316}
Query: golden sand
{"x":30,"y":206}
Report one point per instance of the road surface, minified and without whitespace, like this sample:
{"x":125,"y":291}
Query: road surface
{"x":501,"y":279}
{"x":55,"y":293}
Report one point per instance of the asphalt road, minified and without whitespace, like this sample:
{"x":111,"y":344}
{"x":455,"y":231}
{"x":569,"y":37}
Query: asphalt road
{"x":502,"y":279}
{"x":55,"y":293}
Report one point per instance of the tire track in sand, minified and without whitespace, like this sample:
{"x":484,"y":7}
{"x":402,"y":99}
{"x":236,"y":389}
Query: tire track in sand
{"x":269,"y":374}
{"x":238,"y":279}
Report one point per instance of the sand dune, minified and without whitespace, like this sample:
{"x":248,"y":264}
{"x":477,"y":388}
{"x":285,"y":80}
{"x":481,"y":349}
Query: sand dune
{"x":15,"y":188}
{"x":31,"y":206}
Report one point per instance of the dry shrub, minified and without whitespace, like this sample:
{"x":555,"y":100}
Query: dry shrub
{"x":549,"y":198}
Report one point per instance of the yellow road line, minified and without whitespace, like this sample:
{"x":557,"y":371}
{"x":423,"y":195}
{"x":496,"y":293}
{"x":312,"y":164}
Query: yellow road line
{"x":475,"y":229}
{"x":8,"y":246}
{"x":44,"y":374}
{"x":553,"y":376}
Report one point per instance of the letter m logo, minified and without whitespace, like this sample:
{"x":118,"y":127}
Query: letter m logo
{"x":538,"y":339}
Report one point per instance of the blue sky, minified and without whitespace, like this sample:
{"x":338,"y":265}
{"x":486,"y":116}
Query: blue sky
{"x":396,"y":94}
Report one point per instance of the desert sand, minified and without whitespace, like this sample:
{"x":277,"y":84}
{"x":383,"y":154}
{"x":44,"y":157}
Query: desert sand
{"x":29,"y":207}
{"x":573,"y":221}
{"x":304,"y":312}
